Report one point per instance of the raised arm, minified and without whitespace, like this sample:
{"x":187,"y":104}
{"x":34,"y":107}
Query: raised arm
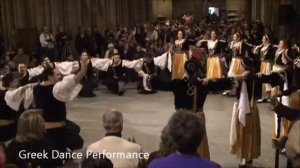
{"x":69,"y":87}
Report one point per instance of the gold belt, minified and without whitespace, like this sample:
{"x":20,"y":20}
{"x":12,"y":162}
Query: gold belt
{"x":51,"y":125}
{"x":6,"y":122}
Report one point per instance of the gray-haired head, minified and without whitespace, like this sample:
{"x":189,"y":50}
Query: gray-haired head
{"x":112,"y":121}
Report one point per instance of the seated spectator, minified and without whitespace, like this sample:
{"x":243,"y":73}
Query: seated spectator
{"x":186,"y":132}
{"x":114,"y":143}
{"x":21,"y":58}
{"x":47,"y":42}
{"x":30,"y":139}
{"x":110,"y":51}
{"x":101,"y":162}
{"x":9,"y":62}
{"x":166,"y":147}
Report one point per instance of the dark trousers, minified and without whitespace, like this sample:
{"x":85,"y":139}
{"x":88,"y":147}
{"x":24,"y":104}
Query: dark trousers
{"x":8,"y":132}
{"x":66,"y":136}
{"x":88,"y":86}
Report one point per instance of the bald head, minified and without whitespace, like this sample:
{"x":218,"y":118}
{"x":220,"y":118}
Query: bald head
{"x":113,"y":121}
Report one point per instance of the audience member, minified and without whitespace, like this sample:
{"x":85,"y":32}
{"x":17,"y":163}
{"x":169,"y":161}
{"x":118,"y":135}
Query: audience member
{"x":186,"y":131}
{"x":21,"y":58}
{"x":30,"y":139}
{"x":114,"y":143}
{"x":47,"y":42}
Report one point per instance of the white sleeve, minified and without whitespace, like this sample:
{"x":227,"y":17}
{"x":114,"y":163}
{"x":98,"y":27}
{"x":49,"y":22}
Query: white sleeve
{"x":43,"y":40}
{"x":67,"y":89}
{"x":65,"y":68}
{"x":136,"y":64}
{"x":101,"y":64}
{"x":14,"y":98}
{"x":28,"y":98}
{"x":35,"y":71}
{"x":75,"y":66}
{"x":162,"y":60}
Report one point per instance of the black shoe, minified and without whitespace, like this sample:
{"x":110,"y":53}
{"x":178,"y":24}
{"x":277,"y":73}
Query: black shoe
{"x":121,"y":93}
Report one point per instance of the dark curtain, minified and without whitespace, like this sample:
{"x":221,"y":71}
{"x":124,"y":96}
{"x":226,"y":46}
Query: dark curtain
{"x":34,"y":14}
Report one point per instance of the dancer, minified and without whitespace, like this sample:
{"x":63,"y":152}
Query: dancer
{"x":50,"y":96}
{"x":266,"y":52}
{"x":215,"y":49}
{"x":239,"y":50}
{"x":11,"y":106}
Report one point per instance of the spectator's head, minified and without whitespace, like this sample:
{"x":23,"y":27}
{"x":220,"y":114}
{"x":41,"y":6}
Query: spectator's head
{"x":186,"y":131}
{"x":51,"y":74}
{"x":166,"y":145}
{"x":100,"y":162}
{"x":22,"y":68}
{"x":45,"y":29}
{"x":31,"y":126}
{"x":5,"y":69}
{"x":20,"y":51}
{"x":60,"y":28}
{"x":113,"y":121}
{"x":138,"y":48}
{"x":10,"y":80}
{"x":111,"y":47}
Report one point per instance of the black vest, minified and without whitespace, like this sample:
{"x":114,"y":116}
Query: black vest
{"x":53,"y":109}
{"x":6,"y":112}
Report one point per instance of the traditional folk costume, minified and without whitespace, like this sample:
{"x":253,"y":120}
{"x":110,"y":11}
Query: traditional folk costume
{"x":145,"y":85}
{"x":52,"y":100}
{"x":183,"y":89}
{"x":30,"y":75}
{"x":238,"y":52}
{"x":282,"y":65}
{"x":11,"y":107}
{"x":245,"y":130}
{"x":116,"y":70}
{"x":89,"y":82}
{"x":267,"y":55}
{"x":214,"y":50}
